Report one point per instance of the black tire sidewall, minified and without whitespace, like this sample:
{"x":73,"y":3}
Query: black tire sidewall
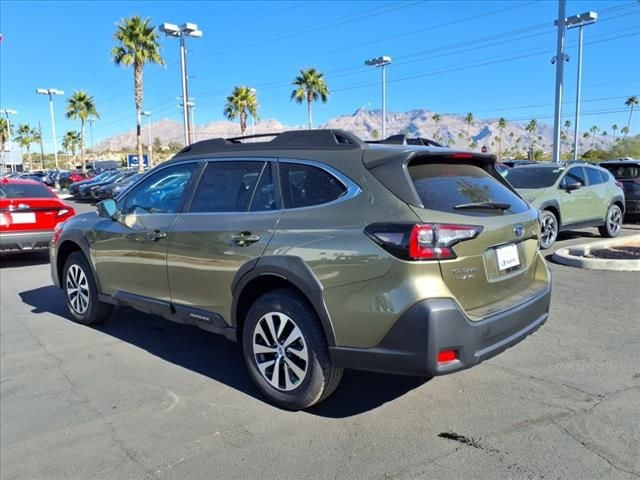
{"x":92,"y":313}
{"x":311,"y":388}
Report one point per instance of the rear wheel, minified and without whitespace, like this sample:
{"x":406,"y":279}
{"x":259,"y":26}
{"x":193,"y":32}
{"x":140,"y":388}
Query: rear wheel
{"x":81,"y":292}
{"x":613,"y":222}
{"x":286,"y":352}
{"x":548,"y":229}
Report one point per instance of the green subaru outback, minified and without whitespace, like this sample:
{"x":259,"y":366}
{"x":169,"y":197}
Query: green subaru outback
{"x":570,"y":197}
{"x":317,"y":252}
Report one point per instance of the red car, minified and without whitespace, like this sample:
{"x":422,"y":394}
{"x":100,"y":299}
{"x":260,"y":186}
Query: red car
{"x":78,"y":177}
{"x":29,"y":212}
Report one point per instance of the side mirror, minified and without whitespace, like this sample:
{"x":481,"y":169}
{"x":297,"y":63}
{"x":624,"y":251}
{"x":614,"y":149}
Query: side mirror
{"x":569,"y":187}
{"x":108,"y":208}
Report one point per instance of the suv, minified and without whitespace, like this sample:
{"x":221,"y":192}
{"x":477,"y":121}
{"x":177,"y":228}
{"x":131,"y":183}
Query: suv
{"x":317,"y":252}
{"x":569,"y":197}
{"x":627,"y":172}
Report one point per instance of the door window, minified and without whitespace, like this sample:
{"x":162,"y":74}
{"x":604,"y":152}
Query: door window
{"x":227,"y":186}
{"x":594,"y":176}
{"x":576,"y":174}
{"x":162,"y":192}
{"x":305,"y":185}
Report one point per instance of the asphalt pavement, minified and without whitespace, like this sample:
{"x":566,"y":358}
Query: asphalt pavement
{"x":142,"y":397}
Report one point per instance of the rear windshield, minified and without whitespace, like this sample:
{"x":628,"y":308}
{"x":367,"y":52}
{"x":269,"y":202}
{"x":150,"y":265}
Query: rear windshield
{"x":533,"y":177}
{"x":25,"y":190}
{"x":623,"y":172}
{"x":463,"y":189}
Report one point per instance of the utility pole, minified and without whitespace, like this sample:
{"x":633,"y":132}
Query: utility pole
{"x":93,"y":153}
{"x":559,"y":60}
{"x":41,"y":144}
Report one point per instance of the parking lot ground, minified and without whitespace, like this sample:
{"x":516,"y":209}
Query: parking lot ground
{"x":142,"y":397}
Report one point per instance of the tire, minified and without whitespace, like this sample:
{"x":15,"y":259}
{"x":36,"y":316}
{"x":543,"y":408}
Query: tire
{"x":300,"y":384}
{"x":81,"y":293}
{"x":612,"y":223}
{"x":548,"y":229}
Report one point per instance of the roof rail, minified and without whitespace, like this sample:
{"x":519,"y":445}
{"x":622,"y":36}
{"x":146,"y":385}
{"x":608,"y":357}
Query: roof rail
{"x":299,"y":139}
{"x":402,"y":139}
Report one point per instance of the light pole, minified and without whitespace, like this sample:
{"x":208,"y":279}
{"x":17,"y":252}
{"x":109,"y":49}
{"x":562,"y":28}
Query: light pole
{"x":382,"y":62}
{"x":8,"y":112}
{"x":93,"y":152}
{"x":559,"y":60}
{"x":184,"y":30}
{"x":579,"y":21}
{"x":51,"y":92}
{"x":253,"y":122}
{"x":148,"y":115}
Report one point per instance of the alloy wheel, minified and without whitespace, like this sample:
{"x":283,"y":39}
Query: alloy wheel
{"x":280,"y":351}
{"x":77,"y":287}
{"x":614,"y":220}
{"x":548,"y":230}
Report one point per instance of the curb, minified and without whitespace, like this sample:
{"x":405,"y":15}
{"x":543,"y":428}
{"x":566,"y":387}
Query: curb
{"x":574,"y":256}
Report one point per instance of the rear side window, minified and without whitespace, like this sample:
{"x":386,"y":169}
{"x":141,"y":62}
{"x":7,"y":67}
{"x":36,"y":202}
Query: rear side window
{"x":25,"y":190}
{"x":227,"y":187}
{"x":594,"y":176}
{"x":305,"y":185}
{"x":444,"y":187}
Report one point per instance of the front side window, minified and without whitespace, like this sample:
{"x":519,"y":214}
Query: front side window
{"x":162,"y":192}
{"x":227,"y":186}
{"x":576,"y":174}
{"x":306,"y":185}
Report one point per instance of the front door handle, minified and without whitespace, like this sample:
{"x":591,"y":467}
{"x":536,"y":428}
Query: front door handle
{"x":155,"y":235}
{"x":244,"y":239}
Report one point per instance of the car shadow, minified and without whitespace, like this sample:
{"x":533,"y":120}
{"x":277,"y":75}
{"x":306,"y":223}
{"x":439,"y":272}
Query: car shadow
{"x":220,"y":359}
{"x":24,"y":259}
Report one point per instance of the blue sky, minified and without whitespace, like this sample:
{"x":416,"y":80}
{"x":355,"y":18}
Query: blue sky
{"x":485,"y":57}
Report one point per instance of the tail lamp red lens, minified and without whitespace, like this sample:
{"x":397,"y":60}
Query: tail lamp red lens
{"x":433,"y":241}
{"x":447,"y":356}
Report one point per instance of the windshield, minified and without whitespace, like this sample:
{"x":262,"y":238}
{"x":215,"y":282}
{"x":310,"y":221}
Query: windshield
{"x":533,"y":177}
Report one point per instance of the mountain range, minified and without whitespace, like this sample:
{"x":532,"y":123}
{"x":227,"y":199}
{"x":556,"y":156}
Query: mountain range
{"x":451,"y":130}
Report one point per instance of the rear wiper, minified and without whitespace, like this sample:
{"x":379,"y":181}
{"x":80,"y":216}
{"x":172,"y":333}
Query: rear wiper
{"x":488,"y":205}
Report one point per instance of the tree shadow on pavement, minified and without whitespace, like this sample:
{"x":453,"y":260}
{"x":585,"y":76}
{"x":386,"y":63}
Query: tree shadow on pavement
{"x":220,"y":359}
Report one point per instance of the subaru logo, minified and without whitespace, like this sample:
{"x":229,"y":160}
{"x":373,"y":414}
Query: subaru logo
{"x":518,"y":230}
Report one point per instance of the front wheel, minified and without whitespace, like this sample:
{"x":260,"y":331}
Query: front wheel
{"x":548,"y":229}
{"x":613,"y":222}
{"x":81,"y":292}
{"x":286,"y":352}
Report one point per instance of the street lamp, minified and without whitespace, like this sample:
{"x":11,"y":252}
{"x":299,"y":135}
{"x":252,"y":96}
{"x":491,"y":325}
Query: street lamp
{"x":579,"y":21}
{"x":148,"y":115}
{"x":253,"y":124}
{"x":6,"y":113}
{"x":182,"y":31}
{"x":93,"y":152}
{"x":381,"y":62}
{"x":51,"y":92}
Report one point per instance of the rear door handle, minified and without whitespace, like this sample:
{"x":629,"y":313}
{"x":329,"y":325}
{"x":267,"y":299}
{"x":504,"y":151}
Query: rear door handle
{"x":155,"y":235}
{"x":244,"y":239}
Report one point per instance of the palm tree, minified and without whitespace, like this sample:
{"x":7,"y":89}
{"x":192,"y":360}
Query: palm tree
{"x":310,"y":86}
{"x":80,"y":106}
{"x":436,"y":119}
{"x":138,"y":46}
{"x":631,"y":102}
{"x":624,"y":131}
{"x":502,"y":124}
{"x":240,"y":103}
{"x":4,"y":133}
{"x":595,"y":129}
{"x":70,"y":142}
{"x":469,"y":119}
{"x":24,"y":137}
{"x":531,"y":127}
{"x":614,"y":127}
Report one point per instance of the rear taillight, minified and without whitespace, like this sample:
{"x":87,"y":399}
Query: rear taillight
{"x":433,"y":241}
{"x":62,"y":212}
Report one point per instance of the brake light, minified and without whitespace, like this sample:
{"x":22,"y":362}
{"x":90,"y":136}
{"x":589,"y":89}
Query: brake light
{"x":432,"y":241}
{"x":462,"y":155}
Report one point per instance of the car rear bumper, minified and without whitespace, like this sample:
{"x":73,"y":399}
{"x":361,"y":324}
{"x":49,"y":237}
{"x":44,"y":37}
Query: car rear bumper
{"x":24,"y":241}
{"x":428,"y":327}
{"x":632,"y":207}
